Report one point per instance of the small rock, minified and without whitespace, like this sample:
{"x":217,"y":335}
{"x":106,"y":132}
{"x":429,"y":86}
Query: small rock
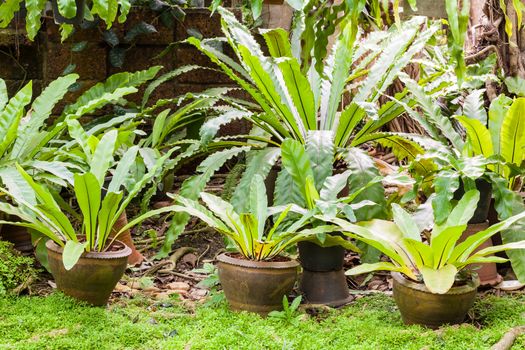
{"x":189,"y":259}
{"x":122,"y":288}
{"x":173,"y":333}
{"x":199,"y":293}
{"x":178,"y":286}
{"x":510,"y":285}
{"x":161,"y":296}
{"x":151,"y":290}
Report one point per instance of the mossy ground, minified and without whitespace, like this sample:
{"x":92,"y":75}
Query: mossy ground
{"x":372,"y":322}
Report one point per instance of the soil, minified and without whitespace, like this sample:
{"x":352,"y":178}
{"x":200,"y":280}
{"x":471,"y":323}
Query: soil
{"x":274,"y":259}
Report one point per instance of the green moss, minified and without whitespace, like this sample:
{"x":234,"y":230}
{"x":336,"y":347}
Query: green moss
{"x":57,"y":322}
{"x":15,"y":269}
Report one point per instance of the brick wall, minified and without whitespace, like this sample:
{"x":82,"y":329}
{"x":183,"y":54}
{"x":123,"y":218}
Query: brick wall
{"x":46,"y":59}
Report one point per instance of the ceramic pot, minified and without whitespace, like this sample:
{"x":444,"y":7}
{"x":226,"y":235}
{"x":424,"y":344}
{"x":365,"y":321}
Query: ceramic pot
{"x":95,"y":275}
{"x":487,"y":272}
{"x":17,"y":235}
{"x":419,"y":306}
{"x":256,"y":286}
{"x":135,"y":258}
{"x":323,"y":280}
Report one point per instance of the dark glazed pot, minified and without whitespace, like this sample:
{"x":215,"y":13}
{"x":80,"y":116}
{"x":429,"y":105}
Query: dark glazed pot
{"x":95,"y":275}
{"x":419,"y":306}
{"x":323,"y":280}
{"x":320,"y":259}
{"x":79,"y":17}
{"x":256,"y":286}
{"x":485,"y":195}
{"x":17,"y":235}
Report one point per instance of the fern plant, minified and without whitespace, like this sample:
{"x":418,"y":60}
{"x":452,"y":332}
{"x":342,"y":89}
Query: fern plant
{"x":88,"y":227}
{"x":450,"y":160}
{"x":28,"y":140}
{"x":292,"y":98}
{"x":438,"y":262}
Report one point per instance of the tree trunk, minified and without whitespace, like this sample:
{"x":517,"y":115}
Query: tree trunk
{"x":487,"y":35}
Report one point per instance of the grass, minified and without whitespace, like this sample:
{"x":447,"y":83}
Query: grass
{"x":57,"y":322}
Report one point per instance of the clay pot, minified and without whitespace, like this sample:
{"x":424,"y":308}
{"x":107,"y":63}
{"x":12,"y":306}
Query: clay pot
{"x":487,"y":272}
{"x":19,"y":236}
{"x":135,"y":257}
{"x":274,"y":2}
{"x":79,"y":17}
{"x":95,"y":275}
{"x":419,"y":306}
{"x":256,"y":286}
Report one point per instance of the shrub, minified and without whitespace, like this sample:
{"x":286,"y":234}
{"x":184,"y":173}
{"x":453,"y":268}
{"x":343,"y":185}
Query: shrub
{"x":15,"y":269}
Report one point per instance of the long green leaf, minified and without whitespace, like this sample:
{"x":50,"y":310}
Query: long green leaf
{"x":103,"y":155}
{"x":296,"y":162}
{"x":87,"y":192}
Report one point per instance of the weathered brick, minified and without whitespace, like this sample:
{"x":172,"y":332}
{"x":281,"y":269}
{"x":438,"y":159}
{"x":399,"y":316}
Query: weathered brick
{"x":13,"y":86}
{"x":20,"y":62}
{"x":143,"y":57}
{"x":93,"y":34}
{"x":90,"y":63}
{"x":163,"y":37}
{"x":200,"y":19}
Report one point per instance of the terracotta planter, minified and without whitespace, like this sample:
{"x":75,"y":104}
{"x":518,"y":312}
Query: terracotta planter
{"x":323,"y":280}
{"x":19,"y":236}
{"x":487,"y":272}
{"x":135,"y":257}
{"x":256,"y":286}
{"x":419,"y":306}
{"x":79,"y":17}
{"x":95,"y":275}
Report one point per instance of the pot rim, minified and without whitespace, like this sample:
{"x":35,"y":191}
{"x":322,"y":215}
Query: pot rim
{"x":119,"y":254}
{"x":469,"y":287}
{"x":226,"y":259}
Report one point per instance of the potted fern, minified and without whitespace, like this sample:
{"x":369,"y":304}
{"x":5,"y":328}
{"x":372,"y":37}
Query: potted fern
{"x":29,"y":141}
{"x":85,"y":261}
{"x":355,"y":193}
{"x":256,"y":274}
{"x":432,"y":282}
